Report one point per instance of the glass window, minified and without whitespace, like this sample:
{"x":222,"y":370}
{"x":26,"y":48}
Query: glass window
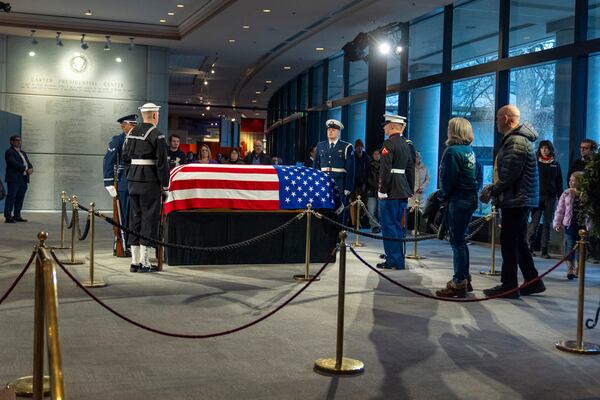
{"x":593,"y":101}
{"x":359,"y":78}
{"x":393,"y":69}
{"x":391,"y":104}
{"x":474,"y":99}
{"x":317,"y":86}
{"x":537,"y":25}
{"x":293,"y":98}
{"x":303,"y":92}
{"x":425,"y":47}
{"x":423,"y":129}
{"x":594,"y":19}
{"x":335,"y":78}
{"x":542,"y":93}
{"x":357,"y":120}
{"x":475,"y":33}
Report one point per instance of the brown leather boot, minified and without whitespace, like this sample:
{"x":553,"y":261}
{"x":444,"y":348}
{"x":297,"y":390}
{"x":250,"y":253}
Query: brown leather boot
{"x":453,"y":290}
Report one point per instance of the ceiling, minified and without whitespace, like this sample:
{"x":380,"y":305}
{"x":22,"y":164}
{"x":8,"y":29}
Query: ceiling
{"x":199,"y":34}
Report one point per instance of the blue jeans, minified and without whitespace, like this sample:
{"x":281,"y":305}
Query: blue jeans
{"x":391,"y":212}
{"x":460,"y":211}
{"x":571,"y":238}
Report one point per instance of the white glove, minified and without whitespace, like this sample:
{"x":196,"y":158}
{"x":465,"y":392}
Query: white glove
{"x":346,"y":192}
{"x":111,"y":190}
{"x":381,"y":195}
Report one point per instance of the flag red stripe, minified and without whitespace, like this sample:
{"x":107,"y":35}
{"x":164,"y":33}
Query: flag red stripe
{"x":177,"y":205}
{"x":241,"y":169}
{"x":214,"y":184}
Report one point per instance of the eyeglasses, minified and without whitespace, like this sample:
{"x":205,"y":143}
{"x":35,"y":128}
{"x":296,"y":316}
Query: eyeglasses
{"x":584,"y":147}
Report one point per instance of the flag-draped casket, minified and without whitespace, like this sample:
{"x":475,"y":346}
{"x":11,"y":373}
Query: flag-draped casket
{"x":248,"y":187}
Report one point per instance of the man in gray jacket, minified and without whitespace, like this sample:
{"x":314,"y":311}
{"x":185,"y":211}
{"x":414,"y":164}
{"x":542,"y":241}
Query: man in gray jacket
{"x":515,"y":192}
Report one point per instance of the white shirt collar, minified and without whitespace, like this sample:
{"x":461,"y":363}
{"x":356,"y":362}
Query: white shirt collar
{"x":334,"y":142}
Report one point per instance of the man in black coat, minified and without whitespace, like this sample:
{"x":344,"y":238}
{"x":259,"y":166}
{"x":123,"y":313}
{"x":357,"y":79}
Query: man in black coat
{"x":257,"y":157}
{"x":515,"y":191}
{"x":18,"y":170}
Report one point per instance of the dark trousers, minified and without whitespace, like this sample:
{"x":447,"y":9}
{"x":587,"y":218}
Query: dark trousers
{"x":460,"y":211}
{"x":515,"y":249}
{"x":124,"y":206}
{"x":144,"y":212}
{"x":545,"y":208}
{"x":15,"y":194}
{"x":392,"y":212}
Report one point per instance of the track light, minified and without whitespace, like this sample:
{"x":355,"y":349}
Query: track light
{"x":84,"y":45}
{"x":59,"y":42}
{"x":398,"y":49}
{"x":33,"y":39}
{"x":131,"y":44}
{"x":384,"y":48}
{"x":107,"y":43}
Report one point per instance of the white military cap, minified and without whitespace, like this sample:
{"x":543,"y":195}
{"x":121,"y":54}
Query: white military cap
{"x":334,"y":123}
{"x":393,"y":118}
{"x":149,"y":107}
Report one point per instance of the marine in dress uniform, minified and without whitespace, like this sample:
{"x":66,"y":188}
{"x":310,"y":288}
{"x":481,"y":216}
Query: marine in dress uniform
{"x":145,"y":153}
{"x":336,"y":158}
{"x":396,"y":183}
{"x":113,"y":164}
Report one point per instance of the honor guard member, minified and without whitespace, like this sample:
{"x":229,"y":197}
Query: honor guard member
{"x":336,"y":158}
{"x":396,"y":183}
{"x":148,"y":174}
{"x":114,"y":166}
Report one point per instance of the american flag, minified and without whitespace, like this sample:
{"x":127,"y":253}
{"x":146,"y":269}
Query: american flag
{"x":248,"y":187}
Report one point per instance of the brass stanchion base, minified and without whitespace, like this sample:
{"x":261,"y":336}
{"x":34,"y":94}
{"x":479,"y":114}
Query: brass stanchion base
{"x":491,"y":273}
{"x":76,"y":262}
{"x":571,"y":347}
{"x":349,"y":366}
{"x":357,"y":245}
{"x":304,"y":278}
{"x":95,"y":284}
{"x":24,"y":386}
{"x":416,"y":257}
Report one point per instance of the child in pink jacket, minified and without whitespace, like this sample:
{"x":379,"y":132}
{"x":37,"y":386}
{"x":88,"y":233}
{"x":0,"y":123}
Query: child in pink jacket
{"x":568,"y":214}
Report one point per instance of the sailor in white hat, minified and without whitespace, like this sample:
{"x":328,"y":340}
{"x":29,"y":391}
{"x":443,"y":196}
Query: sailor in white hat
{"x":145,"y":151}
{"x":396,"y":183}
{"x":335,"y":157}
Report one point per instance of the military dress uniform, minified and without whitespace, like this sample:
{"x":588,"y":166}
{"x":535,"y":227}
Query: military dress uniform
{"x":336,"y":159}
{"x":396,"y":183}
{"x":145,"y":152}
{"x":114,"y":165}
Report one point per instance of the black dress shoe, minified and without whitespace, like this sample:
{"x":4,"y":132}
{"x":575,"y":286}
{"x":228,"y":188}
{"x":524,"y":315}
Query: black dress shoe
{"x":134,"y":267}
{"x":9,"y":221}
{"x":537,"y":287}
{"x":147,"y":268}
{"x":496,"y":290}
{"x":19,"y":219}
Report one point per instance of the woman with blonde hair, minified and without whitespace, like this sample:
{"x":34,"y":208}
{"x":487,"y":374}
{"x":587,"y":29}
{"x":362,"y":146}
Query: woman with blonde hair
{"x":204,"y":156}
{"x":458,"y":188}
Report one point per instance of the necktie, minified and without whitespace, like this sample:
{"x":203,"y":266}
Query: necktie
{"x":331,"y":145}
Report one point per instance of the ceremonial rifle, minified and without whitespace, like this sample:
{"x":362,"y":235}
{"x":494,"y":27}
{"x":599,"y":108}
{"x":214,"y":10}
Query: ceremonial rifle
{"x":119,"y":240}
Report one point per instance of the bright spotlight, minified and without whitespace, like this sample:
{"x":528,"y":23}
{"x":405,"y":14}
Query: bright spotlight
{"x":398,"y":49}
{"x":384,"y":48}
{"x":31,"y":53}
{"x":118,"y":59}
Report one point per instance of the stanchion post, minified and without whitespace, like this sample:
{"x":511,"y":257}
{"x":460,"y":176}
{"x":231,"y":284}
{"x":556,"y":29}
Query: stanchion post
{"x":92,"y":283}
{"x":63,"y":215}
{"x":492,"y":271}
{"x":578,"y":345}
{"x":340,"y":364}
{"x":357,"y":204}
{"x":29,"y":386}
{"x":307,"y":276}
{"x":415,"y":255}
{"x":74,"y":224}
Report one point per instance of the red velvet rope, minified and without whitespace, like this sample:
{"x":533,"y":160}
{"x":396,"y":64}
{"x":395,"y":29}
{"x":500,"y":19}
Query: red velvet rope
{"x":16,"y":282}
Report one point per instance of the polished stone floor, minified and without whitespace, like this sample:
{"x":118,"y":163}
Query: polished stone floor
{"x":412,"y":347}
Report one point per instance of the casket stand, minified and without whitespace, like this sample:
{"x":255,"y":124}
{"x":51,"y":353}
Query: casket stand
{"x":219,"y":227}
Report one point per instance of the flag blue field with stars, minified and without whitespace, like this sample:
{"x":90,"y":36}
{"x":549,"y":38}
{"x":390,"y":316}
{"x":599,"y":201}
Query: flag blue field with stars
{"x":299,"y":186}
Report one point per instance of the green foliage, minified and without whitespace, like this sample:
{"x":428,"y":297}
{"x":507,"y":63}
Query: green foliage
{"x":591,"y":190}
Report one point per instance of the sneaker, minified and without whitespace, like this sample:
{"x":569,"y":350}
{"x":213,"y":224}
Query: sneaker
{"x":496,"y":290}
{"x":534,"y":288}
{"x":134,"y":267}
{"x":453,"y":289}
